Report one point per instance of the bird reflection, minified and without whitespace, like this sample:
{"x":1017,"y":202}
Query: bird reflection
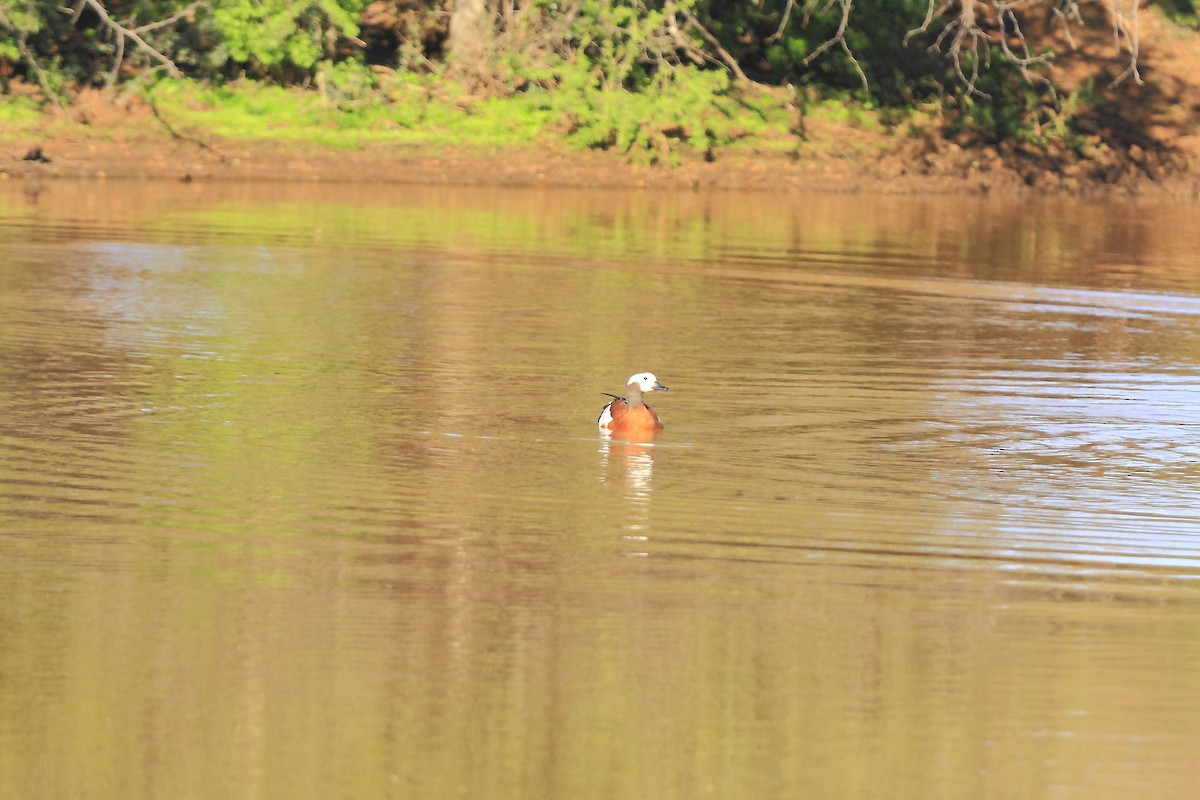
{"x":627,"y":459}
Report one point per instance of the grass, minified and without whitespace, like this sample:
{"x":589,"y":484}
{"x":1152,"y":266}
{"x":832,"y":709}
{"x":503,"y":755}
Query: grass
{"x":18,"y":115}
{"x":424,"y":110}
{"x":399,"y":110}
{"x":349,"y":109}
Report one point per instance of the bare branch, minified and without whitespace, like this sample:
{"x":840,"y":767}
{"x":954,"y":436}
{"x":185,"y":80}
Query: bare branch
{"x":1067,"y":12}
{"x":118,"y":59}
{"x":1025,"y":58}
{"x":963,"y":34}
{"x":814,"y":7}
{"x":728,"y":59}
{"x":783,"y":22}
{"x":75,"y":12}
{"x":1129,"y":33}
{"x":163,"y":23}
{"x":839,"y":38}
{"x":931,"y":10}
{"x":134,"y":34}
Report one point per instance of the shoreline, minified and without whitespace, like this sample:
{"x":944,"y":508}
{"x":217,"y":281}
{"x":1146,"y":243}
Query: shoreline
{"x":115,"y":155}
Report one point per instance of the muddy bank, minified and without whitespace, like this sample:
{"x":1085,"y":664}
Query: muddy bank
{"x":907,"y":167}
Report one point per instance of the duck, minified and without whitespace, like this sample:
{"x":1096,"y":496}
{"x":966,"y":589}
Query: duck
{"x":629,"y":414}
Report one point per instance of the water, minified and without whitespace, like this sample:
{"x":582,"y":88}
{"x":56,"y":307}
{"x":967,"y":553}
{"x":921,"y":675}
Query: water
{"x":301,"y":496}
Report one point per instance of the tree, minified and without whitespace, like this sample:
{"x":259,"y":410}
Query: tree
{"x":470,"y":33}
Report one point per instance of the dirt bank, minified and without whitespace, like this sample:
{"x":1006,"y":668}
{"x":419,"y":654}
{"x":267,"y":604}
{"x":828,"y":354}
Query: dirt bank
{"x":907,"y":167}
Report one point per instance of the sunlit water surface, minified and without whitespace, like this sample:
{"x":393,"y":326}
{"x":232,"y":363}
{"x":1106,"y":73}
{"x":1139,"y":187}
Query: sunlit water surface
{"x":301,"y":495}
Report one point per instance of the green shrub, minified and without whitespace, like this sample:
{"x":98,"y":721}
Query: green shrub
{"x":618,"y":80}
{"x":671,"y":108}
{"x":275,"y":33}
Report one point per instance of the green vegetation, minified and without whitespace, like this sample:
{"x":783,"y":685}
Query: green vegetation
{"x":19,"y":111}
{"x":417,"y":109}
{"x":1182,"y":12}
{"x":409,"y":109}
{"x":654,"y":79}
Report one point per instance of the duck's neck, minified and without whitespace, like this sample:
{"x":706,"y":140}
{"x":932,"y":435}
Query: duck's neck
{"x":633,"y":395}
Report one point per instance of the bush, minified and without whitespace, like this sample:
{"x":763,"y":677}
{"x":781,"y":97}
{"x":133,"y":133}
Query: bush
{"x":272,"y":35}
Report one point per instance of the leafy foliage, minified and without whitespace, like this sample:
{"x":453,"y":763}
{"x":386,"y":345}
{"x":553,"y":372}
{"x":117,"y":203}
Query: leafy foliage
{"x":650,"y":78}
{"x":273,"y":33}
{"x":20,"y":19}
{"x":617,"y":79}
{"x":673,"y":107}
{"x":1182,"y":12}
{"x":284,"y":39}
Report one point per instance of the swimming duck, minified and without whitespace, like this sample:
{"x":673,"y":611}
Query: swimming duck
{"x":629,"y":413}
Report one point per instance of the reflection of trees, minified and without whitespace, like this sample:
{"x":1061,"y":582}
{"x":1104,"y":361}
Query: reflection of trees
{"x":651,"y":235}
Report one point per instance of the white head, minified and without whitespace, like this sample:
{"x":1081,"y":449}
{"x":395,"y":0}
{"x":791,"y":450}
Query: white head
{"x":646,"y":382}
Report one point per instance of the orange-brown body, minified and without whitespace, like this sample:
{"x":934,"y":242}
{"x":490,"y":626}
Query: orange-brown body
{"x":630,"y":419}
{"x":628,"y":415}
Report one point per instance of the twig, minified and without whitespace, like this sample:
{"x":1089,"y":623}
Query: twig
{"x":1025,"y":59}
{"x":162,"y":23}
{"x":1066,"y":12}
{"x":963,"y":33}
{"x":1121,"y":30}
{"x":729,"y":60}
{"x":134,"y":34}
{"x":783,"y":22}
{"x":203,"y":145}
{"x":839,"y":38}
{"x":930,"y":10}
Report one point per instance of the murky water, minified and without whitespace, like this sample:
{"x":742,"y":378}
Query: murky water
{"x":301,"y":495}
